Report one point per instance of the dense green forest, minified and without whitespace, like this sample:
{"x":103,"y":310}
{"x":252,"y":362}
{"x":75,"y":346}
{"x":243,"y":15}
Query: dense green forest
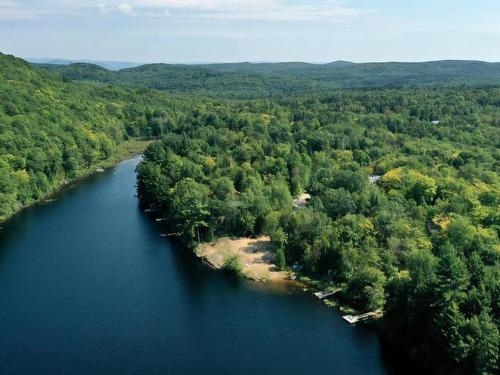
{"x":405,"y":184}
{"x":404,"y":213}
{"x":191,"y":80}
{"x":258,"y":80}
{"x":52,"y":131}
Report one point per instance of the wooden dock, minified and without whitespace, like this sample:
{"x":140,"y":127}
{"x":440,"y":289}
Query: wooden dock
{"x":323,"y":295}
{"x":359,"y":318}
{"x":169,"y":234}
{"x":210,"y":264}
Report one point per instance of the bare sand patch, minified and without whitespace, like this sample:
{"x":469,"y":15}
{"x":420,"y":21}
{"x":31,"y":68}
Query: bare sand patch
{"x":255,"y":254}
{"x":301,"y":201}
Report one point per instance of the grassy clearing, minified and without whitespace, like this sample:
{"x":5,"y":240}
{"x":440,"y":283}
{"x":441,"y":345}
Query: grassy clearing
{"x":125,"y":150}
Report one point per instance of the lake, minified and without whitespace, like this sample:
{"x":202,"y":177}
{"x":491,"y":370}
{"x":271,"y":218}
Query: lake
{"x":88,"y":286}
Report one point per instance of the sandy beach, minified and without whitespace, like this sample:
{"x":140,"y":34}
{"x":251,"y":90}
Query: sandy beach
{"x":255,"y":254}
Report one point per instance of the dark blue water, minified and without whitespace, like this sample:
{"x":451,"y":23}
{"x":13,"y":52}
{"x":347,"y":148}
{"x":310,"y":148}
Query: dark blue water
{"x":87,"y":286}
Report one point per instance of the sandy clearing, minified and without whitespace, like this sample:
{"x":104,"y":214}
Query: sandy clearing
{"x":301,"y":201}
{"x":255,"y":255}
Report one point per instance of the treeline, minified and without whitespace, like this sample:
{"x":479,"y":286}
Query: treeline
{"x":263,"y":80}
{"x":191,"y":80}
{"x":53,"y":131}
{"x":404,"y":213}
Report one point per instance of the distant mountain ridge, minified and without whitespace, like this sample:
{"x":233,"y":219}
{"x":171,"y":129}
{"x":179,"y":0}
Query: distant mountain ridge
{"x":111,"y":65}
{"x":248,"y":80}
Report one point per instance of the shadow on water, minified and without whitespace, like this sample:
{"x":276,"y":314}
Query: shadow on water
{"x":198,"y":278}
{"x":14,"y":227}
{"x":88,"y":286}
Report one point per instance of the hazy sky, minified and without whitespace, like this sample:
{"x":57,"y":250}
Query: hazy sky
{"x":251,"y":30}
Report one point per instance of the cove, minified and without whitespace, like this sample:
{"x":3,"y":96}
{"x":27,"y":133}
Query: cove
{"x":87,"y":286}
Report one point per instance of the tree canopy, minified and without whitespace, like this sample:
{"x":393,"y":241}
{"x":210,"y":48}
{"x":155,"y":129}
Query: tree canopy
{"x":403,"y":210}
{"x":404,"y":182}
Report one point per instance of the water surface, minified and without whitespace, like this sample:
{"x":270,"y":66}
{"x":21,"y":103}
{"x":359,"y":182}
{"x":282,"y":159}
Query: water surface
{"x":87,"y":286}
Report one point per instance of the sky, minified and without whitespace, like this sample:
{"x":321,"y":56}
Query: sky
{"x":196,"y":31}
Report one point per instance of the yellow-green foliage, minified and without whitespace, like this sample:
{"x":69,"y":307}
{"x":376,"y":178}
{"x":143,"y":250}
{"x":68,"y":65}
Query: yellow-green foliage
{"x":53,"y":131}
{"x":421,"y":243}
{"x":411,"y":183}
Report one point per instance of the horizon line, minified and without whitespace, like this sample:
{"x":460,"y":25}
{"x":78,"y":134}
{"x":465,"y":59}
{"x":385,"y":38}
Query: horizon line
{"x":208,"y":62}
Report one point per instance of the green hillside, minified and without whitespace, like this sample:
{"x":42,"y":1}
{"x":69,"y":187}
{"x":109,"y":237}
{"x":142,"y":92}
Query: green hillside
{"x":253,"y":80}
{"x":195,"y":79}
{"x":53,"y":131}
{"x":404,"y":181}
{"x":404,"y":209}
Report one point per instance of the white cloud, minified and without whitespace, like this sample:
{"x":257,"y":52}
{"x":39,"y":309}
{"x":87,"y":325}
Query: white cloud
{"x":270,"y":10}
{"x":246,"y":9}
{"x":103,"y":9}
{"x":123,"y":8}
{"x":208,"y":4}
{"x":12,"y":10}
{"x":155,"y":13}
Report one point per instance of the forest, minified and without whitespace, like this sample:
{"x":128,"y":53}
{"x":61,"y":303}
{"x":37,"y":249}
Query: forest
{"x":404,"y":181}
{"x":404,"y":214}
{"x":264,"y":80}
{"x":52,"y":132}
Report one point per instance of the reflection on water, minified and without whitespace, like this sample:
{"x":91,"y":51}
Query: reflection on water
{"x":88,"y":286}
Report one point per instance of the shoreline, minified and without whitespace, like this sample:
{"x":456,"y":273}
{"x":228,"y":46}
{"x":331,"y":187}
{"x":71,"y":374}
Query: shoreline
{"x":305,"y":285}
{"x":256,"y":259}
{"x":123,"y":151}
{"x":252,"y":257}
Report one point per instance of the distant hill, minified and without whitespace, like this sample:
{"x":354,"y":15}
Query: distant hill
{"x":193,"y":79}
{"x":293,"y":68}
{"x":415,"y":74}
{"x":111,"y":65}
{"x":247,"y":80}
{"x":79,"y":72}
